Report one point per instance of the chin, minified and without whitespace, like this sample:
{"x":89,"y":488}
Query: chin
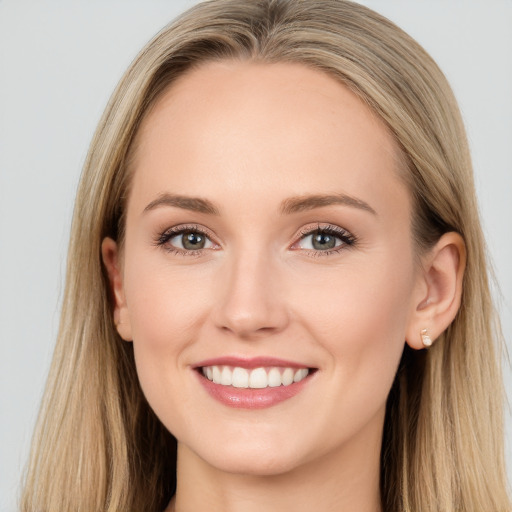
{"x":255,"y":460}
{"x":261,"y":466}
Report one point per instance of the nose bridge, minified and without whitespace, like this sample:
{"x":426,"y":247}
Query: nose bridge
{"x":251,"y":301}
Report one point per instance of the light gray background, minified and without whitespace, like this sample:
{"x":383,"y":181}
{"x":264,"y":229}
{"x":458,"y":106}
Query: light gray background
{"x":59,"y":62}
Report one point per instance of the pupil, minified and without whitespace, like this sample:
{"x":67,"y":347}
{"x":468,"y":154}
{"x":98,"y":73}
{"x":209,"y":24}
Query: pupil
{"x":323,"y":241}
{"x":193,"y":240}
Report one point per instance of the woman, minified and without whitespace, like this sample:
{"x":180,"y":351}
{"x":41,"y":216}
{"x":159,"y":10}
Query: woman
{"x":278,"y":195}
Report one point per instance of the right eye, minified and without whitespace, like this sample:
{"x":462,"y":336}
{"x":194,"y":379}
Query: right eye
{"x":185,"y":240}
{"x":191,"y":241}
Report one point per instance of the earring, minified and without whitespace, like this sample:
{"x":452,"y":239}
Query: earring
{"x":425,"y":338}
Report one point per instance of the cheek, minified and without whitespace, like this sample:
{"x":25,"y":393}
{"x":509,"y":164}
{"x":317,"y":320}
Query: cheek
{"x":360,"y":315}
{"x":164,"y":302}
{"x":166,"y":314}
{"x":359,"y":298}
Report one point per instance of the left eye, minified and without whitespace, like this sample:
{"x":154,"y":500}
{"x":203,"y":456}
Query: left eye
{"x":320,"y":240}
{"x":190,"y":241}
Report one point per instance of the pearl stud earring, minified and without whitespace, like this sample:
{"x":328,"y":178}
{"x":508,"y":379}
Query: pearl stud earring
{"x":425,"y":338}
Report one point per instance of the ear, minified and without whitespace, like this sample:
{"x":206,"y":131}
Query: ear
{"x":111,"y":260}
{"x":438,"y":291}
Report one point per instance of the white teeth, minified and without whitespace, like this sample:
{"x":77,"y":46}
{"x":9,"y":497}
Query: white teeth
{"x":216,"y":375}
{"x":299,"y":375}
{"x":287,"y":377}
{"x":240,"y":378}
{"x":258,"y":378}
{"x":274,"y":378}
{"x":225,"y":377}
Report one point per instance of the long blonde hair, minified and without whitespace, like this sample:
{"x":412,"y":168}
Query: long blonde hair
{"x":99,"y":447}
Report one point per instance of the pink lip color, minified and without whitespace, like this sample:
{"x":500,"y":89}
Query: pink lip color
{"x":245,"y":398}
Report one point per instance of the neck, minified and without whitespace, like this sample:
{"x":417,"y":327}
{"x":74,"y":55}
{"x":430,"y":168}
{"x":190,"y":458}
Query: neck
{"x":343,"y":480}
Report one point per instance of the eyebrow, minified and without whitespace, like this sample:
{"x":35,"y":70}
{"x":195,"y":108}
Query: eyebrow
{"x":195,"y":204}
{"x":288,"y":206}
{"x":304,"y":203}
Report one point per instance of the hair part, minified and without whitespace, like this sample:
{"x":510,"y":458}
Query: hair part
{"x":98,"y":445}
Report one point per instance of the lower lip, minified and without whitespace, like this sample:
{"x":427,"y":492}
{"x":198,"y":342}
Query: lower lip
{"x":246,"y":398}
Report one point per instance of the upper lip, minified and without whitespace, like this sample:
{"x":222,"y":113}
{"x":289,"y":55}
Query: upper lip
{"x":250,"y":362}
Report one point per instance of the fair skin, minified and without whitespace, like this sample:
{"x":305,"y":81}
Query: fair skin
{"x":330,"y":284}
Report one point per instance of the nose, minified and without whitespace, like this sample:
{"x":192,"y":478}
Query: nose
{"x":251,"y":300}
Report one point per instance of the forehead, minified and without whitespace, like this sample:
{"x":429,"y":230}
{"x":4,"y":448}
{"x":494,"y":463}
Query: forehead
{"x":264,"y":128}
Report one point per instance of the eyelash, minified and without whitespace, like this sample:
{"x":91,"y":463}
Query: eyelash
{"x":163,"y":239}
{"x":348,"y":240}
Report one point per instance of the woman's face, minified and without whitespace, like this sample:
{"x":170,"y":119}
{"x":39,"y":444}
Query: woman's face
{"x":268,"y":236}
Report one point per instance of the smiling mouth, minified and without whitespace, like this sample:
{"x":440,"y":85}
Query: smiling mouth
{"x":256,"y":378}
